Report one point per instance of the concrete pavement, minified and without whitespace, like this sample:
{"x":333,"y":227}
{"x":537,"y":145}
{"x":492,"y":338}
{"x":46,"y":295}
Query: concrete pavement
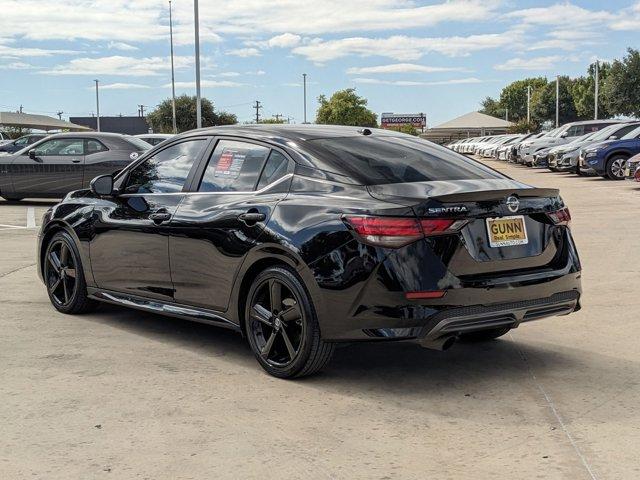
{"x":123,"y":394}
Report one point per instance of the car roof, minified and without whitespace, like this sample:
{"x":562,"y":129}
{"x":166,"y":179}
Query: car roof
{"x":155,"y":135}
{"x":87,"y":134}
{"x":294,"y":132}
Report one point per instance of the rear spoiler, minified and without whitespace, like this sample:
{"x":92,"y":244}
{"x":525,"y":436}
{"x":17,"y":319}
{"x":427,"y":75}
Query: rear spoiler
{"x":484,"y":195}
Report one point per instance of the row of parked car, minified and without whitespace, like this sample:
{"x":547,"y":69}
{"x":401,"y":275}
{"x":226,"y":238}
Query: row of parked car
{"x":609,"y":148}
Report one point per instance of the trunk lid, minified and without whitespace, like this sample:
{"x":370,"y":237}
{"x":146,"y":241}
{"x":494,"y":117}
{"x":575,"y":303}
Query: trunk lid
{"x":471,"y":252}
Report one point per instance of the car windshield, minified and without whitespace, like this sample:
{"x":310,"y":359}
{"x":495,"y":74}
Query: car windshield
{"x":376,"y":161}
{"x":137,"y":143}
{"x":632,"y":134}
{"x":604,"y":133}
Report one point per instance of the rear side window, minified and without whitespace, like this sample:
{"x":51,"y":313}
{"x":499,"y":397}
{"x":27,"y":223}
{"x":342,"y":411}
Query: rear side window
{"x":94,"y":146}
{"x":234,"y":167}
{"x":136,"y":143}
{"x":275,"y":168}
{"x":379,"y":160}
{"x":167,"y":170}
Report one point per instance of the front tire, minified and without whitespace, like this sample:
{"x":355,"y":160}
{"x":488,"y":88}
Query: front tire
{"x":615,"y":167}
{"x":12,"y":199}
{"x":282,"y":326}
{"x":64,"y":277}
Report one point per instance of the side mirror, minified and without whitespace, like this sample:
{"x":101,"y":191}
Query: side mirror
{"x":102,"y":185}
{"x":564,"y":134}
{"x":32,"y":154}
{"x":613,"y":137}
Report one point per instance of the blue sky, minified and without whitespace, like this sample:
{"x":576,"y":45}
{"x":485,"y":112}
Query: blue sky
{"x":440,"y":58}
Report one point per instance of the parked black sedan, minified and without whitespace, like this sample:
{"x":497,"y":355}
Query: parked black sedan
{"x":303,"y":236}
{"x":61,"y":163}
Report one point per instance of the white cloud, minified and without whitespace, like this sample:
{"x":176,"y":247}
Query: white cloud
{"x":629,"y":19}
{"x":561,"y":14}
{"x":332,"y":16}
{"x":401,"y":47}
{"x":400,"y":68}
{"x":120,"y":65}
{"x":412,"y":83}
{"x":286,"y":40}
{"x":535,"y":63}
{"x":121,"y":86}
{"x":9,"y":51}
{"x":121,"y":46}
{"x":17,"y":66}
{"x":244,"y":52}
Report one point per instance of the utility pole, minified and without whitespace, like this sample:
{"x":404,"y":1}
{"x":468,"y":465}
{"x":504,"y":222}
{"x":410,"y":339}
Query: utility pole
{"x":20,"y":108}
{"x":197,"y":40}
{"x":257,"y":106}
{"x":528,"y":104}
{"x":557,"y":101}
{"x":97,"y":106}
{"x":304,"y":87}
{"x":59,"y":113}
{"x":173,"y":77}
{"x":278,"y":116}
{"x":141,"y":110}
{"x":595,"y":107}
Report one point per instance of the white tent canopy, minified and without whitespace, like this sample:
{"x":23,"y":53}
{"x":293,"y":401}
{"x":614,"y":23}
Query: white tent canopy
{"x":468,"y":125}
{"x":38,"y":122}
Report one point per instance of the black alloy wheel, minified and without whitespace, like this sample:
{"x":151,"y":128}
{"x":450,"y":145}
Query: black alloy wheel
{"x":63,"y":276}
{"x":282,"y":326}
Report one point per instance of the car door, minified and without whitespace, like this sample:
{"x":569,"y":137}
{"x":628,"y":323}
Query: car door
{"x":233,"y":196}
{"x":54,"y":170}
{"x":130,"y":249}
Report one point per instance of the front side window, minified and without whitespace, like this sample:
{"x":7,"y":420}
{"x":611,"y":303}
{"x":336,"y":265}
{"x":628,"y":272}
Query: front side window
{"x":167,"y":170}
{"x":61,"y":146}
{"x":21,"y":141}
{"x":234,"y":167}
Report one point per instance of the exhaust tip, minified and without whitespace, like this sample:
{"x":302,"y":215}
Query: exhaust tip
{"x":448,"y":343}
{"x":442,"y":343}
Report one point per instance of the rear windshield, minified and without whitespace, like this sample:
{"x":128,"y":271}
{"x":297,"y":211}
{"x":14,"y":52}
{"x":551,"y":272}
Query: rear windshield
{"x":375,"y":161}
{"x":138,"y":143}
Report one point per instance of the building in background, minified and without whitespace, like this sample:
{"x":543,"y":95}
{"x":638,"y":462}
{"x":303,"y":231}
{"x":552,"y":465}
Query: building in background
{"x":127,"y":125}
{"x":472,"y":124}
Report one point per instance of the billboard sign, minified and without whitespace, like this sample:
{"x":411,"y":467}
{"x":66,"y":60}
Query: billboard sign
{"x":417,"y":120}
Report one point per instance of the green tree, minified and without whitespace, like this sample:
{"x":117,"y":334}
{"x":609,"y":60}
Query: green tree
{"x":621,"y":92}
{"x":523,"y":127}
{"x":345,"y":108}
{"x":161,"y":119}
{"x":491,"y":106}
{"x":543,"y":103}
{"x":583,"y":93}
{"x":514,"y":97}
{"x":408,"y":129}
{"x":273,"y":120}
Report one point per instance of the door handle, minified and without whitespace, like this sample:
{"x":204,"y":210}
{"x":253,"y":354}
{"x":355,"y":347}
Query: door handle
{"x":159,"y":217}
{"x":251,"y":218}
{"x":75,"y":160}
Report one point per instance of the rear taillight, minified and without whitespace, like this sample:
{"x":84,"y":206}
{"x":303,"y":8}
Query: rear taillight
{"x":560,"y":217}
{"x":394,"y":232}
{"x":636,"y":176}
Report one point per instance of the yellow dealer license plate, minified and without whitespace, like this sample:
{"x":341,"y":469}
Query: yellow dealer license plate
{"x":507,"y":231}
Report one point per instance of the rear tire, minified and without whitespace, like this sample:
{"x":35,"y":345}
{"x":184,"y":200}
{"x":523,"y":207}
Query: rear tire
{"x":616,"y":166}
{"x":484,"y":335}
{"x":282,"y":326}
{"x":64,"y":276}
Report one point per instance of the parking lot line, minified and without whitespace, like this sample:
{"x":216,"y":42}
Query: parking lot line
{"x":31,"y":217}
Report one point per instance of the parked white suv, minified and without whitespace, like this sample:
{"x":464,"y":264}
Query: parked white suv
{"x":560,"y":136}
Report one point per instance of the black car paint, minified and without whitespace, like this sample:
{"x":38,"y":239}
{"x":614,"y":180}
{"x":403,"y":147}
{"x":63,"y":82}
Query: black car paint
{"x":199,"y":264}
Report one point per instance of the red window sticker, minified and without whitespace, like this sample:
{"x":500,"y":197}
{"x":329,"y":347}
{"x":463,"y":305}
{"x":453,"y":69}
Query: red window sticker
{"x":230,"y":163}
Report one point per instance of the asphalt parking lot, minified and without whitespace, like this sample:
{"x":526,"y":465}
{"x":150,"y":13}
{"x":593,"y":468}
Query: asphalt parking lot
{"x":124,"y":394}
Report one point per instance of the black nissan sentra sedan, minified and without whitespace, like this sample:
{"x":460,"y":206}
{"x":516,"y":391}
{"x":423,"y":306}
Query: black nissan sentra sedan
{"x":63,"y":162}
{"x":300,"y":237}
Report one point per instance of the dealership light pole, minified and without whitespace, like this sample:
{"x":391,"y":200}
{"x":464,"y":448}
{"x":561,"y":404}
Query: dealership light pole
{"x":557,"y":101}
{"x":173,"y":77}
{"x":97,"y":107}
{"x":304,"y":89}
{"x":595,"y":107}
{"x":528,"y":104}
{"x":197,"y":39}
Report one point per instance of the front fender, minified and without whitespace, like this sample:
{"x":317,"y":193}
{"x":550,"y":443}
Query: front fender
{"x":75,"y":219}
